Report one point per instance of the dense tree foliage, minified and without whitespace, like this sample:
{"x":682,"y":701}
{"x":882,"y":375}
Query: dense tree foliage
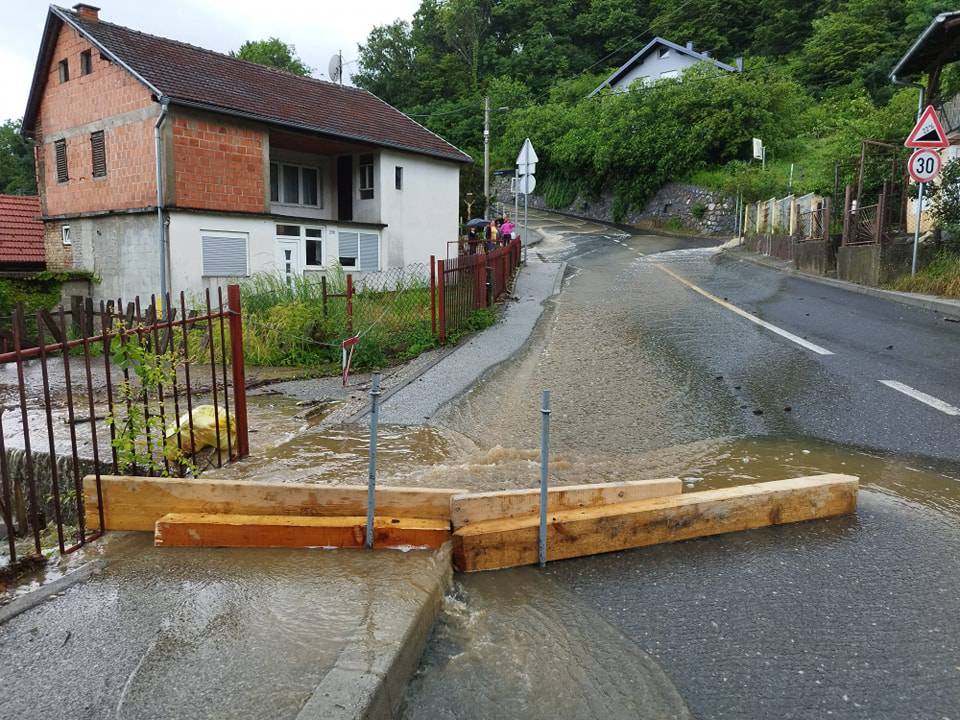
{"x":816,"y":83}
{"x":16,"y":161}
{"x":275,"y":53}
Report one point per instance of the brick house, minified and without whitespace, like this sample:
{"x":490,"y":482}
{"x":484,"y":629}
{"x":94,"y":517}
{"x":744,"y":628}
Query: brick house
{"x":164,"y":166}
{"x":21,"y":235}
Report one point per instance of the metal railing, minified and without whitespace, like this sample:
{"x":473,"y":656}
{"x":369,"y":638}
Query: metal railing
{"x":112,"y":402}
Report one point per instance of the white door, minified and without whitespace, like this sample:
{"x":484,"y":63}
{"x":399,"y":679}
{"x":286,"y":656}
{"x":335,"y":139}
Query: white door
{"x":288,"y":259}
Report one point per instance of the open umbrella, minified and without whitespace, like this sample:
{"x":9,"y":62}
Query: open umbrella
{"x":478,"y":222}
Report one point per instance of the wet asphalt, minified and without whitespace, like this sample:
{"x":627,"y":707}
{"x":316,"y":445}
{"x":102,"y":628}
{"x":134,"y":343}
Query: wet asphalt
{"x":849,"y":618}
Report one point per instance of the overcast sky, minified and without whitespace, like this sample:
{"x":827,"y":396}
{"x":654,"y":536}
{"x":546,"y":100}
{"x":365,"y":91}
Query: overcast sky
{"x":318,"y":28}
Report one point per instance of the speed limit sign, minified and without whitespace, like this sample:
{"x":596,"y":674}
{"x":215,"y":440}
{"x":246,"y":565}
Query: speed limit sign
{"x":924,"y":165}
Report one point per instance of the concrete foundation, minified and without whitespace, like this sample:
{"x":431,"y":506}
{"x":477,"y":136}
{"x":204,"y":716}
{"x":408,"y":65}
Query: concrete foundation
{"x":859,"y":264}
{"x":813,"y":257}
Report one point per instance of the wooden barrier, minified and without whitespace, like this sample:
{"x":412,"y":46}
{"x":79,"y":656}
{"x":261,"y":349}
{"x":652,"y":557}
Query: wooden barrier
{"x":286,"y":531}
{"x":503,"y":504}
{"x":509,"y":542}
{"x":136,"y":503}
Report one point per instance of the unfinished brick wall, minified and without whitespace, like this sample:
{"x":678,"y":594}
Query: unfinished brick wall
{"x":218,"y":165}
{"x":107,"y":99}
{"x":59,"y":256}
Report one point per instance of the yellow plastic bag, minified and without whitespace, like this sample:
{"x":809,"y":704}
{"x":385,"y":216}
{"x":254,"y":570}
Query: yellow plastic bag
{"x":205,"y":421}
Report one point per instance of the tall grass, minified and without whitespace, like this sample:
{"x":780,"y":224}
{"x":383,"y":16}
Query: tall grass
{"x":286,"y":323}
{"x":940,"y":277}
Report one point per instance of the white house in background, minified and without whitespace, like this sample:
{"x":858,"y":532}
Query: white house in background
{"x":659,"y":60}
{"x":153,"y":154}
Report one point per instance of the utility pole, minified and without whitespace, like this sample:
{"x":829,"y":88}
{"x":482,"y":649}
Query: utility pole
{"x":486,"y":151}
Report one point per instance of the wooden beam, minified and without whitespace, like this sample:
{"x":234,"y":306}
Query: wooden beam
{"x":250,"y":531}
{"x":573,"y":533}
{"x":503,"y":504}
{"x":136,"y":503}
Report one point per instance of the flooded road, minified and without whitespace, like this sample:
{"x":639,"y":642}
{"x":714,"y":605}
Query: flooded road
{"x":853,"y":617}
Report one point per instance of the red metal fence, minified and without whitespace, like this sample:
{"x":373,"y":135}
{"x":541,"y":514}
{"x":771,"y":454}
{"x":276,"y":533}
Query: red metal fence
{"x":462,"y":285}
{"x":121,"y":413}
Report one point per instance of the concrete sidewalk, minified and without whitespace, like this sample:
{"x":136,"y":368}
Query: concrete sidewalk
{"x":944,"y":306}
{"x":220,"y":633}
{"x":457,"y":371}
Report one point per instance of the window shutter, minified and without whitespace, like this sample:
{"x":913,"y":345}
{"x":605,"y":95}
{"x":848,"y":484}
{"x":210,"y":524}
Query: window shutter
{"x":60,"y":147}
{"x":98,"y":151}
{"x":224,"y":256}
{"x":369,"y":258}
{"x":348,"y":242}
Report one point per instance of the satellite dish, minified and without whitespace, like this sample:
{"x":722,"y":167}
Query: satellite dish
{"x":335,"y":68}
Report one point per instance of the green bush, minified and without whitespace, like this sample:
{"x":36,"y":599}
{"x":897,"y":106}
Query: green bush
{"x":698,"y":210}
{"x":940,"y":277}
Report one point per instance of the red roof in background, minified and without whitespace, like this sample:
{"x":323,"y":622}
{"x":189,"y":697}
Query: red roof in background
{"x":191,"y":75}
{"x":21,"y":231}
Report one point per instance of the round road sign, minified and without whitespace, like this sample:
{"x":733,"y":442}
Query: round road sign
{"x":924,"y":165}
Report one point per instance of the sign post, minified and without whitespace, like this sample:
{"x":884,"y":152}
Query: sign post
{"x":526,"y":182}
{"x":926,"y":138}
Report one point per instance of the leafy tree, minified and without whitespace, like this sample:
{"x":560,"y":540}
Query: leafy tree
{"x":388,"y":64}
{"x":275,"y":53}
{"x":17,"y":175}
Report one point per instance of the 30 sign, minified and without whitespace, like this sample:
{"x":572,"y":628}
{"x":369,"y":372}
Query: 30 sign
{"x":924,"y":165}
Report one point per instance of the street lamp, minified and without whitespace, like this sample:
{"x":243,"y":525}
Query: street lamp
{"x":486,"y":147}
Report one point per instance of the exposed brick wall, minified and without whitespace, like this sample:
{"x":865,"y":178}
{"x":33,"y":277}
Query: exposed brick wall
{"x":59,"y":256}
{"x":218,"y":165}
{"x":76,"y":108}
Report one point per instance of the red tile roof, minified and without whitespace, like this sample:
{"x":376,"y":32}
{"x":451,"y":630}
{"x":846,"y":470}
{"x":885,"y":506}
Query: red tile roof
{"x":195,"y":76}
{"x":21,"y":231}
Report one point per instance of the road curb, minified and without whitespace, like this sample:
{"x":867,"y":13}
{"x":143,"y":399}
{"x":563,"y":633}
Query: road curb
{"x":951,"y":308}
{"x":370,"y":677}
{"x":31,"y":599}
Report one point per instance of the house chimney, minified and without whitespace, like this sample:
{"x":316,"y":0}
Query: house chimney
{"x":689,"y":44}
{"x":739,"y":63}
{"x":87,"y":12}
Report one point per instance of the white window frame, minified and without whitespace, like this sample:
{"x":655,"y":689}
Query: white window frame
{"x":362,"y":167}
{"x":356,"y":267}
{"x":65,"y":235}
{"x":669,"y":74}
{"x":302,"y":237}
{"x":279,"y":164}
{"x":228,"y":234}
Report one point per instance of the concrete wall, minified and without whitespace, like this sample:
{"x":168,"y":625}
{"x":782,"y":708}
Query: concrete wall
{"x":422,"y":217}
{"x":673,"y":201}
{"x":859,"y":264}
{"x":813,"y":257}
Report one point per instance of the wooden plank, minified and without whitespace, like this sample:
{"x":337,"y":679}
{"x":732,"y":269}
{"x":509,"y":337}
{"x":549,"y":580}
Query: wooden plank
{"x":136,"y":503}
{"x":249,"y":531}
{"x":480,"y":507}
{"x":573,"y":533}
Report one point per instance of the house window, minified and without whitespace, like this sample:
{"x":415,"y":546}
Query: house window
{"x":295,"y":185}
{"x":98,"y":153}
{"x":65,"y":235}
{"x":64,"y":70}
{"x":314,"y":247}
{"x":60,"y":149}
{"x":398,"y":177}
{"x":663,"y":52}
{"x":669,"y":74}
{"x":312,"y":242}
{"x":360,"y":250}
{"x":224,"y":255}
{"x":86,"y":63}
{"x":366,"y":177}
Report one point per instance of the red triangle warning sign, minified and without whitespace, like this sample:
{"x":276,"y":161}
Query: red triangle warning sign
{"x":928,"y":132}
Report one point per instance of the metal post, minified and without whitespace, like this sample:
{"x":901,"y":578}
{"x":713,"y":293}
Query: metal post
{"x":524,"y":228}
{"x":916,"y":230}
{"x":544,"y":469}
{"x":486,"y":155}
{"x":372,"y":473}
{"x":516,"y":197}
{"x":433,"y":295}
{"x":236,"y":364}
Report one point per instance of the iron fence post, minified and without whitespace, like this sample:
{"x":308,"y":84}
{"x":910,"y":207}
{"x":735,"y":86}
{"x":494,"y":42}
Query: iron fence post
{"x":372,"y":471}
{"x":433,"y":295}
{"x":349,"y":305}
{"x":544,"y":469}
{"x":239,"y":378}
{"x":441,"y":302}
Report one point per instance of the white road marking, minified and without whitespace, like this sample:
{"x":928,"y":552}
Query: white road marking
{"x":930,"y":400}
{"x":743,"y":313}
